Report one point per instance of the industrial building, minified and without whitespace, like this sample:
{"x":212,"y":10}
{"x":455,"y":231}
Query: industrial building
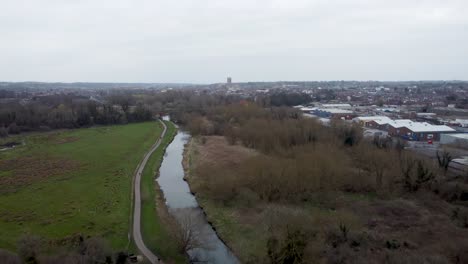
{"x":417,"y":131}
{"x":405,"y":128}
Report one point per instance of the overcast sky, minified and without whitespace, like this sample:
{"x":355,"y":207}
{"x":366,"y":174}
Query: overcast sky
{"x":204,"y":41}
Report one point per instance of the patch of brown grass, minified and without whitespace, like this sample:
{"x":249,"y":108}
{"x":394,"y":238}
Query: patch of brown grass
{"x":66,"y":140}
{"x":27,"y":170}
{"x":217,"y":151}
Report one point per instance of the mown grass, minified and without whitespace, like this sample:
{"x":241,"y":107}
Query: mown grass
{"x":156,"y":233}
{"x":92,"y":199}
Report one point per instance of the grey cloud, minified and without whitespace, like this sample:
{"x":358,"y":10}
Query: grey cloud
{"x":204,"y":41}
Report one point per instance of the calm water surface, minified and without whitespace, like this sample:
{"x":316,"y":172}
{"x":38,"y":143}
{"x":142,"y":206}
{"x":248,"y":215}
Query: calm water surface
{"x":183,"y":205}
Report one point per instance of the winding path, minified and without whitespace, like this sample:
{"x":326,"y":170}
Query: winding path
{"x":137,"y":237}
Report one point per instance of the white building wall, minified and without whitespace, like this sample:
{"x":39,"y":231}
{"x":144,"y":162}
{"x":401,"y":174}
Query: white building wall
{"x":454,"y":139}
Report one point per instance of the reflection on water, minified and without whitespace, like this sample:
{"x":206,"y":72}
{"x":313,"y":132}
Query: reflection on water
{"x":206,"y":246}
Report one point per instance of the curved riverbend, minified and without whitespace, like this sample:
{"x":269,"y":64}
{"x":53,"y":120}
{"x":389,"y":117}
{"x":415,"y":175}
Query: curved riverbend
{"x":184,"y":207}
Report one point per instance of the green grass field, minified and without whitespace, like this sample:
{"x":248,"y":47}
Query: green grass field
{"x":155,"y":232}
{"x":63,"y":183}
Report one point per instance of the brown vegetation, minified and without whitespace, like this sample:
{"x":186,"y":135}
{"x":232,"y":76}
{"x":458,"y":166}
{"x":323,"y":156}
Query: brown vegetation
{"x":288,"y":190}
{"x":26,"y":170}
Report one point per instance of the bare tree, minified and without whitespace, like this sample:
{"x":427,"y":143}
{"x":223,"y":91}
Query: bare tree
{"x":407,"y":164}
{"x":378,"y":164}
{"x":188,"y":229}
{"x":444,"y":160}
{"x":96,"y":250}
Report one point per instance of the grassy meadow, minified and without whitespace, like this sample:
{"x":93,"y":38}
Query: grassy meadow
{"x":64,"y":183}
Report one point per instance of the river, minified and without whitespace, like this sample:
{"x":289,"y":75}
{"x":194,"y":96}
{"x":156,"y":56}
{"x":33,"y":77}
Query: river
{"x":184,"y":207}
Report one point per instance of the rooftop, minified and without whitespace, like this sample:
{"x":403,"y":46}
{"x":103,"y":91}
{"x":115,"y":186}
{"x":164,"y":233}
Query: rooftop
{"x":335,"y":105}
{"x":307,"y":109}
{"x":400,"y":123}
{"x":379,"y":119}
{"x":420,"y":126}
{"x":411,"y":125}
{"x":425,"y":127}
{"x":334,"y":110}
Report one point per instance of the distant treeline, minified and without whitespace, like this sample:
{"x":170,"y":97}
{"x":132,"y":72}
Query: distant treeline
{"x":69,"y":111}
{"x":22,"y":111}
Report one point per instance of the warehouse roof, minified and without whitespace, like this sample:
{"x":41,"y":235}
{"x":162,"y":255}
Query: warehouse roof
{"x":380,"y":119}
{"x":334,"y":110}
{"x":425,"y":127}
{"x":307,"y":109}
{"x":419,"y":126}
{"x":336,"y":105}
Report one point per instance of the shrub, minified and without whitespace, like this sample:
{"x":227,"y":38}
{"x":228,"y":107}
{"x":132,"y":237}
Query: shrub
{"x":288,"y":249}
{"x":13,"y":129}
{"x":3,"y":132}
{"x":444,"y":160}
{"x":28,"y":248}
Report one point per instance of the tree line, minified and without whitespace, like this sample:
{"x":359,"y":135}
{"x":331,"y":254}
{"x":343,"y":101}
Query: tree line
{"x":69,"y":111}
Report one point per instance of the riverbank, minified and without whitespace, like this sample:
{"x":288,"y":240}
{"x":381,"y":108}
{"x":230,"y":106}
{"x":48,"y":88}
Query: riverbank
{"x":244,"y":241}
{"x":155,"y":220}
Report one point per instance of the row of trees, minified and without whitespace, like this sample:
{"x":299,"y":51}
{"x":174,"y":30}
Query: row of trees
{"x":16,"y":117}
{"x":26,"y":112}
